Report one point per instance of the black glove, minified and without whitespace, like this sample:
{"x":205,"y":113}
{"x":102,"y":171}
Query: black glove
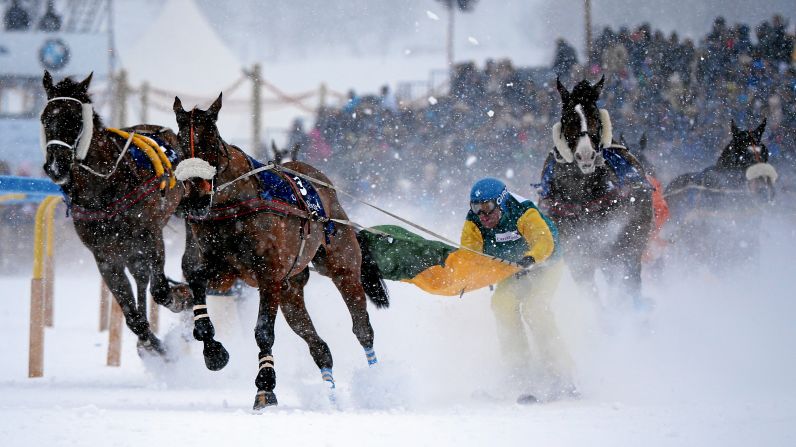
{"x":526,"y":262}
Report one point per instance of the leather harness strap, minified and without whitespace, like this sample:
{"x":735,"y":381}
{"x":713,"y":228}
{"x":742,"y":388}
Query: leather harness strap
{"x":127,"y":201}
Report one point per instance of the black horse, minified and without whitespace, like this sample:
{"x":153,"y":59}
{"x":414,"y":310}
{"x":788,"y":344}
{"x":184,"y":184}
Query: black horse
{"x":119,"y":205}
{"x":265,"y":229}
{"x":715,"y":212}
{"x":597,"y":194}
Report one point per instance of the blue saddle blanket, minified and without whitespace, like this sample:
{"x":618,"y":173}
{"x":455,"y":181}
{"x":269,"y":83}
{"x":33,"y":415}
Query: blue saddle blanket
{"x":141,"y":158}
{"x":274,"y":187}
{"x":626,"y":173}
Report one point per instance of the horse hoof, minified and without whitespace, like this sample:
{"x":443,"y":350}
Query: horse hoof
{"x":216,"y":356}
{"x":180,"y":298}
{"x":527,"y":399}
{"x":264,"y":399}
{"x":150,"y":347}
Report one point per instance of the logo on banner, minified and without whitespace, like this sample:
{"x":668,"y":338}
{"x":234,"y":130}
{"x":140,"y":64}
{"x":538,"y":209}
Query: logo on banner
{"x":54,"y":54}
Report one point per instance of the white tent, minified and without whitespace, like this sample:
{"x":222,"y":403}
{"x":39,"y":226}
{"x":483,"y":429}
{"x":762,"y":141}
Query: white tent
{"x":181,"y":53}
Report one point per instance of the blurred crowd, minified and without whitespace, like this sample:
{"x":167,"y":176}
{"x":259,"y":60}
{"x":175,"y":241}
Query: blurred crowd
{"x":497,"y":120}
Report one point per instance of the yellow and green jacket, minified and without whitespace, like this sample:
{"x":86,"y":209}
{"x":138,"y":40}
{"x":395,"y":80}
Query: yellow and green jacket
{"x":522,"y":231}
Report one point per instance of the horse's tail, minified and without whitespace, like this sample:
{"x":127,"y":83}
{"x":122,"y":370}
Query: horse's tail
{"x":372,"y":281}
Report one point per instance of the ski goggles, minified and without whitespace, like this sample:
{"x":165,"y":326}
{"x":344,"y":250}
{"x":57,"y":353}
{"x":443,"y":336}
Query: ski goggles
{"x":483,"y":207}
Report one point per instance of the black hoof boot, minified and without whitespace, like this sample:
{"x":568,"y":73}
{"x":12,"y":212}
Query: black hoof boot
{"x":216,"y":356}
{"x":264,"y":399}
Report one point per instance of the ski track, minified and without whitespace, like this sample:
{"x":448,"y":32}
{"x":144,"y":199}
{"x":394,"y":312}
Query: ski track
{"x":713,"y":365}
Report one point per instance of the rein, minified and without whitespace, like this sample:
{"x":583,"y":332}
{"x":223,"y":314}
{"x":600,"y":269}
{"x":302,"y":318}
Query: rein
{"x":254,"y":205}
{"x":115,"y":165}
{"x":394,"y":216}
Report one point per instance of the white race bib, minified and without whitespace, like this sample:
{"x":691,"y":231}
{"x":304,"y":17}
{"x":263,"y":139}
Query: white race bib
{"x":506,"y":237}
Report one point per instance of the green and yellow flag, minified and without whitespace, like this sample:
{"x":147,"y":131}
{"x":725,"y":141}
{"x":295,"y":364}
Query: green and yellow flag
{"x":435,"y":267}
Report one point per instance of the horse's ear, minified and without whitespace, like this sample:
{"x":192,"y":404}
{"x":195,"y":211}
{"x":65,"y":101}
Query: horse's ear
{"x":177,"y":107}
{"x":758,"y":133}
{"x":598,"y":87}
{"x":47,"y":81}
{"x":642,"y":143}
{"x":277,"y":153}
{"x":215,"y":107}
{"x":86,"y":82}
{"x":562,"y":90}
{"x":294,"y":152}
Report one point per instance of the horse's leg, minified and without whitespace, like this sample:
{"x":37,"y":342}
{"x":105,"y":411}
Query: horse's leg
{"x":264,"y":335}
{"x":293,"y":307}
{"x":113,"y":274}
{"x":197,"y":274}
{"x":342,"y":262}
{"x":176,"y":298}
{"x":140,"y":270}
{"x":631,"y":250}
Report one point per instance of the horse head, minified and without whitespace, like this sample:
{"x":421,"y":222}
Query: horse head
{"x":584,"y":130}
{"x":746,"y":154}
{"x":67,"y":126}
{"x":199,"y":134}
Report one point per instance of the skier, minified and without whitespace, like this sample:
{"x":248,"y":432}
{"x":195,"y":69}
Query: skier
{"x":501,"y":225}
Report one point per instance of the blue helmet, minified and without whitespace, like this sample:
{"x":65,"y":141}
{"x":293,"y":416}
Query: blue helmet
{"x":488,"y":189}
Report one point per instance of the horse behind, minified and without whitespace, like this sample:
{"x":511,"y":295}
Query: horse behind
{"x":246,"y":230}
{"x":596,"y":193}
{"x":716,"y":212}
{"x":119,"y":206}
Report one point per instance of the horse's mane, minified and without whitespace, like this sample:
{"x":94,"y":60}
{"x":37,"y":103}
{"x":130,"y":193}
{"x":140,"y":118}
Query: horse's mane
{"x":583,"y":91}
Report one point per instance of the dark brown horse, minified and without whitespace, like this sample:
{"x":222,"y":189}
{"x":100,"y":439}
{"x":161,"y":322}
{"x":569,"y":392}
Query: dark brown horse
{"x":243,"y":230}
{"x":115,"y":200}
{"x":716,"y":212}
{"x":596,"y":193}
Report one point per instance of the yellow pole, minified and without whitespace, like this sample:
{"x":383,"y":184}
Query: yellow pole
{"x":49,"y":264}
{"x":36,"y":338}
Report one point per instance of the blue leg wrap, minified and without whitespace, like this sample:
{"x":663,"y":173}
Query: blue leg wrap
{"x":371,"y":356}
{"x":326,"y":375}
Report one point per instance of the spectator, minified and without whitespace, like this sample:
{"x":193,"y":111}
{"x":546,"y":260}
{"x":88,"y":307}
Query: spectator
{"x":565,"y":58}
{"x":388,"y":101}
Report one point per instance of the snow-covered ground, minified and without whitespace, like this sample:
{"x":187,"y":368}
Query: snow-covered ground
{"x":714,"y":365}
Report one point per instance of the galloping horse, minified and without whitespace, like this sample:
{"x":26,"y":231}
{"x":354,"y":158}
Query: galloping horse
{"x":112,"y":194}
{"x":265,"y":228}
{"x":724,"y":200}
{"x":596,"y":193}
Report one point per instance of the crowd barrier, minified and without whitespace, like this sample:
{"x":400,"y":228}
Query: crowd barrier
{"x":21,"y":190}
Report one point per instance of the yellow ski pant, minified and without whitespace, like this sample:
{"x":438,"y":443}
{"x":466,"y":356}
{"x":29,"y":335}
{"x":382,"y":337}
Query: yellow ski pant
{"x":522,"y":309}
